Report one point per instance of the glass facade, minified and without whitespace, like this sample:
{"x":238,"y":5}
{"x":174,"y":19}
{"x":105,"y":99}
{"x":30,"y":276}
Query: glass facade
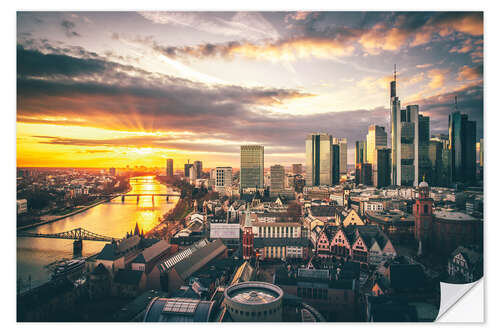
{"x":252,"y":166}
{"x":462,"y":134}
{"x":318,"y":159}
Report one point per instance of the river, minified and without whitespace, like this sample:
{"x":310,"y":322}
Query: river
{"x":114,"y":219}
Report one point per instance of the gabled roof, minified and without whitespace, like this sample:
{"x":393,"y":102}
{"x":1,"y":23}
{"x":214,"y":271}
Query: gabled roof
{"x":152,"y":252}
{"x":470,"y":255}
{"x":193,"y":258}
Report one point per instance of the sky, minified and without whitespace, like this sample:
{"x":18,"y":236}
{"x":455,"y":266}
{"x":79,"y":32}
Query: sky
{"x":111,"y":89}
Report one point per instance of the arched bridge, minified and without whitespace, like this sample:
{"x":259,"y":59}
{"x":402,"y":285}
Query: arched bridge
{"x":75,"y":234}
{"x":78,"y":235}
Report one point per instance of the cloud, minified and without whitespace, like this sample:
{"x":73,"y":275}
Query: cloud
{"x":437,"y":78}
{"x":93,"y":92}
{"x":252,"y":25}
{"x":424,"y":65}
{"x":315,"y":35}
{"x":281,"y":50}
{"x":467,"y":73}
{"x":68,"y":28}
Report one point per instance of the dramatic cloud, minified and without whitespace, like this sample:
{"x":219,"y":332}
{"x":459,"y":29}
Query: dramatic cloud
{"x":470,"y":73}
{"x":324,"y":42}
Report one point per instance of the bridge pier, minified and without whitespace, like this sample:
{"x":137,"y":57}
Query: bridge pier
{"x":123,"y":198}
{"x":77,"y":248}
{"x":167,"y":198}
{"x":137,"y":199}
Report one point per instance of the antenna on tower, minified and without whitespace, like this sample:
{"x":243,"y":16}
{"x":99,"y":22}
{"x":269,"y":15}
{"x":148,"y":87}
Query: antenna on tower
{"x":456,"y":103}
{"x":394,"y":72}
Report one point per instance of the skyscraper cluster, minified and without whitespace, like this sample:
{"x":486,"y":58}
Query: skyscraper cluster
{"x":323,"y":159}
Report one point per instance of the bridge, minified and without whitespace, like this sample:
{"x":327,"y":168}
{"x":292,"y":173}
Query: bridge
{"x":138,"y":195}
{"x":78,"y":235}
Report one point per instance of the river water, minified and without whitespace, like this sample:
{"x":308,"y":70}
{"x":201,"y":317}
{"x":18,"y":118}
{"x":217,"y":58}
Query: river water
{"x":114,"y":219}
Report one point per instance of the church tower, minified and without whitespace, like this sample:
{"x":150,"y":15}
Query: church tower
{"x":422,"y":211}
{"x":247,"y":237}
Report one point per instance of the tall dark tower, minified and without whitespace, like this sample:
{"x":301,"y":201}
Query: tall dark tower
{"x":422,"y":211}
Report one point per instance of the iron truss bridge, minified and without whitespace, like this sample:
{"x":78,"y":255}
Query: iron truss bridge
{"x":78,"y":234}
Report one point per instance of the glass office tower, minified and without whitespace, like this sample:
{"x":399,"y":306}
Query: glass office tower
{"x":252,"y":166}
{"x":318,"y":159}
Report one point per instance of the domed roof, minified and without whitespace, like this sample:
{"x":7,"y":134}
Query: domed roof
{"x":423,"y":184}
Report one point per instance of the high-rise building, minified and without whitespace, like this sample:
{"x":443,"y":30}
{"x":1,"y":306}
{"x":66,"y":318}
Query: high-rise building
{"x":360,"y":152}
{"x":366,"y":174}
{"x":170,"y":167}
{"x":277,"y":179}
{"x":297,"y":169}
{"x":252,"y":166}
{"x":199,"y":168}
{"x":462,"y":134}
{"x":187,"y":167}
{"x":424,"y":134}
{"x":376,"y":138}
{"x":112,"y":171}
{"x":335,"y":164}
{"x":404,"y":140}
{"x":439,"y":156}
{"x":343,"y":153}
{"x":382,"y":167}
{"x":223,"y":179}
{"x":318,"y":159}
{"x":192,"y":173}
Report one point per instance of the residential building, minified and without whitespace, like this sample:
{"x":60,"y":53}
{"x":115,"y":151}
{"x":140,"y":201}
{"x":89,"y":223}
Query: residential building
{"x":465,"y":265}
{"x":223,"y":180}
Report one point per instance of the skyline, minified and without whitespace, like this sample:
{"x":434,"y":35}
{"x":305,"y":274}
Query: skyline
{"x":124,"y":87}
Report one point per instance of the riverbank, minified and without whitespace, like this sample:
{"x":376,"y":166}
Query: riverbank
{"x":54,"y":218}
